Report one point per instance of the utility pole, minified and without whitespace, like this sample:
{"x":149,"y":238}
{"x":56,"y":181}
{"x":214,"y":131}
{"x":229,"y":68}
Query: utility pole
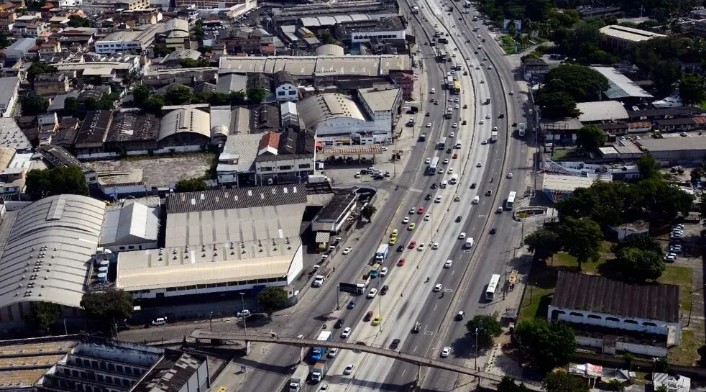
{"x":242,"y":300}
{"x":475,"y":359}
{"x":210,"y":321}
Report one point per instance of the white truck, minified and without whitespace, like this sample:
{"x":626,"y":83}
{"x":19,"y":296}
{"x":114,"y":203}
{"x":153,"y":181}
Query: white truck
{"x":296,"y":383}
{"x":493,"y":136}
{"x":318,"y":372}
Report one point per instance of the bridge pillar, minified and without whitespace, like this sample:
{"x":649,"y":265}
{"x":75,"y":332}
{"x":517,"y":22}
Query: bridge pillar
{"x":247,"y":347}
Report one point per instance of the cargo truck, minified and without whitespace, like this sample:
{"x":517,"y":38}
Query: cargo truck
{"x":382,"y":252}
{"x":318,"y":372}
{"x":320,"y":352}
{"x":493,"y":136}
{"x":296,"y":383}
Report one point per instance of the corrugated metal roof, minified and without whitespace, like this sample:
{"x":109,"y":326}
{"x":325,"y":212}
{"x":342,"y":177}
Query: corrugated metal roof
{"x":50,"y":243}
{"x":131,"y":223}
{"x":602,"y":295}
{"x":212,"y":200}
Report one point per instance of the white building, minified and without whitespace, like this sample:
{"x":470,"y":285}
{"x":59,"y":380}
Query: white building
{"x":382,"y":105}
{"x":130,"y":226}
{"x":363,"y":31}
{"x":285,"y":87}
{"x":126,"y":41}
{"x":599,"y":301}
{"x":9,"y":88}
{"x":221,"y":241}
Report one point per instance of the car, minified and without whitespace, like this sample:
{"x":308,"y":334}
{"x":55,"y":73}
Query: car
{"x":427,"y":217}
{"x":405,"y":220}
{"x":460,"y":315}
{"x":490,"y":67}
{"x":462,"y":235}
{"x":346,"y":333}
{"x":445,"y":161}
{"x":427,"y":115}
{"x":372,"y":293}
{"x":395,"y":343}
{"x":433,"y":90}
{"x":339,"y":323}
{"x":457,"y":106}
{"x":400,"y":248}
{"x":412,"y":211}
{"x":347,"y":250}
{"x":163,"y":320}
{"x":437,"y":288}
{"x":501,"y":115}
{"x":412,"y":245}
{"x":420,"y":210}
{"x":465,"y":106}
{"x":481,"y":121}
{"x":445,"y":352}
{"x":349,"y":369}
{"x":670,"y":258}
{"x":351,"y":304}
{"x":400,"y":262}
{"x":484,"y":141}
{"x":433,"y":186}
{"x":450,"y":170}
{"x":509,"y":175}
{"x":458,"y":218}
{"x":482,"y":81}
{"x":332,"y":352}
{"x":454,"y":125}
{"x":420,"y":247}
{"x":489,"y":193}
{"x":499,"y":210}
{"x":473,"y":186}
{"x":377,"y":320}
{"x":452,"y":134}
{"x":428,"y":196}
{"x":448,"y":263}
{"x":435,"y":246}
{"x":511,"y":92}
{"x":437,"y":199}
{"x":493,"y":231}
{"x":487,"y":116}
{"x":383,"y":271}
{"x":675,"y":248}
{"x":441,"y":170}
{"x":384,"y":289}
{"x":427,"y":161}
{"x":394,"y":233}
{"x":479,"y":164}
{"x":455,"y":156}
{"x":417,"y":327}
{"x":318,"y":281}
{"x":428,"y":125}
{"x":368,"y":316}
{"x":683,"y":134}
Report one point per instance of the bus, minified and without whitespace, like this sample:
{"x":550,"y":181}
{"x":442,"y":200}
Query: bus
{"x":492,"y":287}
{"x":431,"y":169}
{"x":456,"y":89}
{"x":510,"y":200}
{"x":442,"y":143}
{"x":521,"y":129}
{"x":449,"y":82}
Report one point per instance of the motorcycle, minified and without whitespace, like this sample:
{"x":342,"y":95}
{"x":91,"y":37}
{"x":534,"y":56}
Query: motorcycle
{"x":427,"y":280}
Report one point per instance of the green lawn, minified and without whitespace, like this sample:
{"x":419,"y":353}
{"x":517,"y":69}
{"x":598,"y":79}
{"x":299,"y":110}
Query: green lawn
{"x":703,"y":105}
{"x":563,"y":153}
{"x":509,"y":44}
{"x":687,"y":352}
{"x":680,"y":276}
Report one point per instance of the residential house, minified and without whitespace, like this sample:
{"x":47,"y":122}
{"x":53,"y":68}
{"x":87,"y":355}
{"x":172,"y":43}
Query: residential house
{"x":51,"y":84}
{"x":286,"y":88}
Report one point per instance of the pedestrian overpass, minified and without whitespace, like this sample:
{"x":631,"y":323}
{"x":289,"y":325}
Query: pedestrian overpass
{"x":201,"y":335}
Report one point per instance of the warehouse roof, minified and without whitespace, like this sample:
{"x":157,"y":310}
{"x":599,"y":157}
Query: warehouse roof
{"x":185,"y":120}
{"x":602,"y":295}
{"x":307,"y":66}
{"x":379,"y":99}
{"x":11,"y":135}
{"x":629,"y":33}
{"x":561,"y":183}
{"x":134,"y":222}
{"x":46,"y":255}
{"x":94,"y":129}
{"x":601,"y":111}
{"x":322,"y":107}
{"x":673,"y":143}
{"x":620,"y":85}
{"x":235,"y":198}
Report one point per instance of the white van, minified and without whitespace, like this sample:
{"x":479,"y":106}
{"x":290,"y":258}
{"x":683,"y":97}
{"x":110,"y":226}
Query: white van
{"x":159,"y":321}
{"x":443,"y":184}
{"x":454,"y":179}
{"x":469,"y":243}
{"x":462,"y":236}
{"x":476,"y":200}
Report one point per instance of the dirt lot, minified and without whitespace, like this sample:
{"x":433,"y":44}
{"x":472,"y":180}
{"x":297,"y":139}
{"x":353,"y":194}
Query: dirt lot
{"x":161,"y":170}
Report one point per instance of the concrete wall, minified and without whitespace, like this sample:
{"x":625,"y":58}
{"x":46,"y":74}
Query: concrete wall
{"x":620,"y":346}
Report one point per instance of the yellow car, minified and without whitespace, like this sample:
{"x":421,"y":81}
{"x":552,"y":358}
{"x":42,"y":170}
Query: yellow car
{"x":394,"y":233}
{"x":377,"y":320}
{"x":393,"y":240}
{"x":411,"y":226}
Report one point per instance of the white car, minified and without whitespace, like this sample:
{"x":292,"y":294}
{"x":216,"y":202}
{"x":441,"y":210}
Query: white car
{"x":405,"y":220}
{"x":427,"y":217}
{"x":332,"y":352}
{"x":427,"y":161}
{"x":479,"y":164}
{"x":346,"y":333}
{"x":445,"y":161}
{"x":445,"y":352}
{"x":428,"y":125}
{"x":372,"y":293}
{"x":456,"y":106}
{"x":452,"y":134}
{"x":383,"y":271}
{"x":462,"y":236}
{"x":490,"y":67}
{"x":347,"y":250}
{"x":433,"y":90}
{"x":348,"y":370}
{"x":509,"y":175}
{"x":454,"y":125}
{"x":484,"y":141}
{"x":448,"y":263}
{"x":437,"y":199}
{"x":481,"y":121}
{"x":450,"y":171}
{"x":318,"y":281}
{"x":435,"y":245}
{"x":420,"y":247}
{"x":437,"y":287}
{"x":412,"y":211}
{"x":441,"y":170}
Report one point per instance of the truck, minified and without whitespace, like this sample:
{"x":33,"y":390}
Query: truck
{"x":521,"y":127}
{"x":454,"y":179}
{"x":442,"y":143}
{"x":318,"y":372}
{"x":493,"y":136}
{"x":467,"y":4}
{"x":415,"y":9}
{"x":296,"y":383}
{"x":320,"y":352}
{"x":449,"y":113}
{"x":375,"y":270}
{"x":382,"y":252}
{"x":356,"y":288}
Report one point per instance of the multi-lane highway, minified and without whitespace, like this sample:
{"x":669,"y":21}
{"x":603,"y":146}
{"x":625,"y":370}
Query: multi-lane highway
{"x":411,"y":297}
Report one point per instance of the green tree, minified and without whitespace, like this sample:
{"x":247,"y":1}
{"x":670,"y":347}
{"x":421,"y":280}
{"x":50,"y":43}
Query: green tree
{"x":663,"y":200}
{"x":38,"y":68}
{"x":218,"y":99}
{"x":107,"y":306}
{"x":665,"y":74}
{"x":78,"y":21}
{"x":557,"y":105}
{"x":161,"y":50}
{"x":649,"y":167}
{"x":543,"y":243}
{"x":580,"y":82}
{"x":615,"y":385}
{"x":191,"y":185}
{"x":198,"y":31}
{"x":545,"y":345}
{"x":33,"y":104}
{"x":4,"y":41}
{"x":508,"y":385}
{"x":71,"y":105}
{"x":561,"y":381}
{"x":488,"y":328}
{"x":581,"y":238}
{"x":44,"y":314}
{"x":154,"y":105}
{"x":538,"y":9}
{"x":273,"y":298}
{"x":56,"y":181}
{"x":639,"y":241}
{"x":237,"y":97}
{"x":257,"y":94}
{"x":140,"y":95}
{"x":327,"y":38}
{"x":590,"y":138}
{"x":692,"y":89}
{"x":634,"y":264}
{"x":178,"y":95}
{"x":368,"y":211}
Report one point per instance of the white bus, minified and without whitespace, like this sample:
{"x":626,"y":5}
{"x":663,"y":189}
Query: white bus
{"x":492,"y":287}
{"x":431,"y":169}
{"x":510,"y":200}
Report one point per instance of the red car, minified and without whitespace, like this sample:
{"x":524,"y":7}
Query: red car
{"x":400,"y":262}
{"x":420,"y":210}
{"x":412,"y":245}
{"x":368,"y":316}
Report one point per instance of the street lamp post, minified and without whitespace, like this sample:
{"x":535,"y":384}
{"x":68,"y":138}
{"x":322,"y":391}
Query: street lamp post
{"x":475,"y":359}
{"x":242,"y":300}
{"x":210,"y":321}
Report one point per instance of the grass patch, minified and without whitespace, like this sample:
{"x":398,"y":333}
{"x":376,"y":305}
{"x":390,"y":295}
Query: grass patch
{"x":703,"y":105}
{"x":564,"y":154}
{"x":687,"y":352}
{"x":539,"y":292}
{"x":680,"y":276}
{"x":509,"y":44}
{"x":563,"y":259}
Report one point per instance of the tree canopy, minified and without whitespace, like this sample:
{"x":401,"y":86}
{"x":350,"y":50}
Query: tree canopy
{"x":273,"y":298}
{"x":38,"y":68}
{"x":78,"y":21}
{"x":257,"y":94}
{"x":580,"y":82}
{"x":561,"y":381}
{"x":33,"y":104}
{"x":581,"y":238}
{"x":44,"y":314}
{"x":692,"y":89}
{"x":488,"y":328}
{"x":191,"y":185}
{"x":56,"y":181}
{"x":545,"y":345}
{"x":543,"y":243}
{"x":508,"y":385}
{"x":590,"y":138}
{"x":635,"y":264}
{"x":107,"y":306}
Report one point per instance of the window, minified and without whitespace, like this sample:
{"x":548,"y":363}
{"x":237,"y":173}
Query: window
{"x":575,"y":314}
{"x":305,"y":166}
{"x":612,"y":319}
{"x":593,"y":316}
{"x":285,"y":167}
{"x":630,"y":322}
{"x":280,"y":93}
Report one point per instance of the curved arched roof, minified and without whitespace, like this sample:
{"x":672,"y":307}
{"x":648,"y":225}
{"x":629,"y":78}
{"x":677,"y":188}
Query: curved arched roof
{"x":48,"y":251}
{"x":330,"y":50}
{"x":322,"y":107}
{"x":185,"y":120}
